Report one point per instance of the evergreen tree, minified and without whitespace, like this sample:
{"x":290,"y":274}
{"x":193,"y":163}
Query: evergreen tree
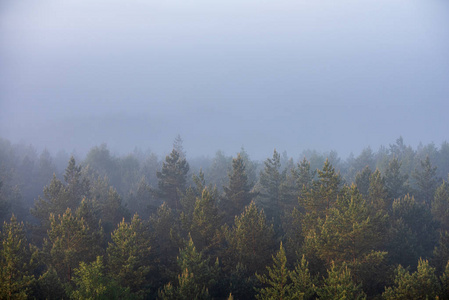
{"x":270,"y":180}
{"x":440,"y":205}
{"x":362,"y":181}
{"x":59,"y":196}
{"x":395,"y":180}
{"x":237,"y":194}
{"x":92,"y":283}
{"x":277,"y":282}
{"x":302,"y":281}
{"x":205,"y":220}
{"x":377,"y":193}
{"x":69,"y":242}
{"x":339,"y":285}
{"x":413,"y":232}
{"x":323,"y":194}
{"x":165,"y":234}
{"x":250,"y":240}
{"x":205,"y":274}
{"x":422,"y":284}
{"x":129,"y":255}
{"x":172,"y":179}
{"x":15,"y":262}
{"x":186,"y":289}
{"x":426,"y":181}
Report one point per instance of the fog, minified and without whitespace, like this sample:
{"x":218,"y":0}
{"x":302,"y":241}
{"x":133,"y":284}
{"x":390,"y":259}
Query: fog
{"x":295,"y":75}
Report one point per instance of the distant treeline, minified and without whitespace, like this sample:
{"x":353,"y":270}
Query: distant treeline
{"x":139,"y":226}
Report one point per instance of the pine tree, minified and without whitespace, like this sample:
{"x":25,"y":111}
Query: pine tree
{"x":205,"y":220}
{"x":339,"y":285}
{"x":15,"y":262}
{"x":69,"y":242}
{"x":205,"y":273}
{"x":165,"y":234}
{"x":323,"y":194}
{"x":186,"y":289}
{"x":172,"y":179}
{"x":440,"y":205}
{"x":237,"y":194}
{"x":270,"y":180}
{"x":250,"y":240}
{"x":422,"y":284}
{"x":92,"y":283}
{"x":130,"y":253}
{"x":362,"y":181}
{"x":395,"y":182}
{"x":377,"y":193}
{"x":426,"y":181}
{"x":302,"y":282}
{"x":277,"y":282}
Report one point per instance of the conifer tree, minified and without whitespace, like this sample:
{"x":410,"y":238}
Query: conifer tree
{"x":277,"y":282}
{"x":92,"y":283}
{"x":270,"y":180}
{"x":422,"y":284}
{"x":186,"y":289}
{"x":237,"y":194}
{"x":395,"y":181}
{"x":69,"y":242}
{"x":250,"y":240}
{"x":377,"y":193}
{"x":205,"y":220}
{"x":302,"y":281}
{"x":323,"y":194}
{"x":339,"y":285}
{"x":130,"y":253}
{"x":205,"y":273}
{"x":172,"y":179}
{"x":15,"y":261}
{"x":362,"y":181}
{"x":440,"y":205}
{"x":426,"y":181}
{"x":165,"y":234}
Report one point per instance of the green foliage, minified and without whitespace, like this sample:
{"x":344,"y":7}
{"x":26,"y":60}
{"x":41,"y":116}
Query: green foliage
{"x":362,"y":181}
{"x":339,"y":285}
{"x":270,"y":180}
{"x":205,"y":220}
{"x":323,"y":194}
{"x":302,"y":281}
{"x":91,"y":283}
{"x":69,"y":242}
{"x":49,"y":286}
{"x":422,"y":284}
{"x":426,"y":181}
{"x":349,"y":232}
{"x":15,"y":261}
{"x":206,"y":274}
{"x":172,"y":179}
{"x":237,"y":194}
{"x":440,"y":205}
{"x":377,"y":193}
{"x":250,"y":240}
{"x":59,"y":196}
{"x":413,"y":232}
{"x":130,"y":253}
{"x":166,"y":243}
{"x":186,"y":289}
{"x":395,"y":181}
{"x":277,"y":283}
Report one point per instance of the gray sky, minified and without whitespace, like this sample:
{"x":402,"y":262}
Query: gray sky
{"x":293,"y":75}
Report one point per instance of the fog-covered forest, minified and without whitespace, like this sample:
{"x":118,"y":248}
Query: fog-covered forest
{"x":373,"y":225}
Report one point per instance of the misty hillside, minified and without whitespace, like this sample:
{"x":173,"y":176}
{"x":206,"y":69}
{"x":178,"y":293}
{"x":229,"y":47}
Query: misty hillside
{"x":139,"y":226}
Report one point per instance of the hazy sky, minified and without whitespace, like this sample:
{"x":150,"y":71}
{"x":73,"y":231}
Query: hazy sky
{"x":261,"y":74}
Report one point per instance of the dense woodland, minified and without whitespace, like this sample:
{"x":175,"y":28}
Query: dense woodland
{"x":139,"y":226}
